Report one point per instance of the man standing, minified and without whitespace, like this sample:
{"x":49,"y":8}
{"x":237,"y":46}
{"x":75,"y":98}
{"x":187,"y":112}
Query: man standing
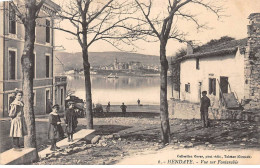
{"x":123,"y":107}
{"x":108,"y":107}
{"x":204,"y":106}
{"x":138,"y":102}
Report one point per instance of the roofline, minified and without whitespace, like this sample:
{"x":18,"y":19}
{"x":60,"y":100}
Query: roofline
{"x":52,"y":4}
{"x":218,"y":53}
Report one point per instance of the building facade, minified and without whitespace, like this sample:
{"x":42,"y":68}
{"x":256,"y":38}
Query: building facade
{"x":227,"y":70}
{"x":11,"y":47}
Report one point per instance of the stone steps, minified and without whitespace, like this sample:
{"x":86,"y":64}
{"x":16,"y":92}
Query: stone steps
{"x":11,"y":157}
{"x":28,"y":155}
{"x":64,"y":143}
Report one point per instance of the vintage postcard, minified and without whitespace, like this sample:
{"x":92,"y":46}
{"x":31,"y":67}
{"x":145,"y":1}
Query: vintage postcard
{"x":130,"y":82}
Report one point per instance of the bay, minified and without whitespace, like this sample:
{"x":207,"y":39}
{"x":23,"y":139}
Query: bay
{"x":127,"y":89}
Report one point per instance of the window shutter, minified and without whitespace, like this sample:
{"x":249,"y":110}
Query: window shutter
{"x":214,"y":86}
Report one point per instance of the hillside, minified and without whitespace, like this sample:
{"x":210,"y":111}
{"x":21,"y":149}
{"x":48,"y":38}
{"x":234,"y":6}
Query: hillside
{"x":74,"y":60}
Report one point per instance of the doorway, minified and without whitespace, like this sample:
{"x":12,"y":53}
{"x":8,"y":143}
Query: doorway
{"x":223,"y":84}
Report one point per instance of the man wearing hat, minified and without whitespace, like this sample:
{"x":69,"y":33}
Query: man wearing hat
{"x":71,"y":120}
{"x":204,"y":106}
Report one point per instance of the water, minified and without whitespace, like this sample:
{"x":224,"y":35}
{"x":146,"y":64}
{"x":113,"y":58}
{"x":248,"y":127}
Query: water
{"x":125,"y":89}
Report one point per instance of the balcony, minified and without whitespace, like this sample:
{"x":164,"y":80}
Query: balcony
{"x":60,"y":80}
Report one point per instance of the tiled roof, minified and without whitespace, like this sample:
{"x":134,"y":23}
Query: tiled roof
{"x":218,"y":49}
{"x":221,"y":46}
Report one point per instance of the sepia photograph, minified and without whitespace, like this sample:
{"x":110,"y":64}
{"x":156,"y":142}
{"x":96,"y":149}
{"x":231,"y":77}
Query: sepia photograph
{"x":130,"y":82}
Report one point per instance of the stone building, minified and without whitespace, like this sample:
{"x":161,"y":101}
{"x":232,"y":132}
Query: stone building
{"x":120,"y":65}
{"x":229,"y":71}
{"x":47,"y":88}
{"x":134,"y":65}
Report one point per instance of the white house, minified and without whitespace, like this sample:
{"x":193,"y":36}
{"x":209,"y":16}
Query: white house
{"x":228,"y":70}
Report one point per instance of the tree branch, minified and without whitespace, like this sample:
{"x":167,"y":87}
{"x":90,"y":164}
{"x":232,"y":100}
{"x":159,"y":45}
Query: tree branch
{"x":147,"y":18}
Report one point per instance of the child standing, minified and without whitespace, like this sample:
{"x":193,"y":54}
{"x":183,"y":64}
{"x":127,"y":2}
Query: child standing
{"x":71,"y":121}
{"x":54,"y":124}
{"x":18,"y":129}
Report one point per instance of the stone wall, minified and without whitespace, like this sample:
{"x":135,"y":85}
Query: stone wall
{"x":252,"y":62}
{"x":187,"y":110}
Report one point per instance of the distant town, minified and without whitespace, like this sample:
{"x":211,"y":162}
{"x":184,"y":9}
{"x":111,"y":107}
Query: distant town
{"x":120,"y":68}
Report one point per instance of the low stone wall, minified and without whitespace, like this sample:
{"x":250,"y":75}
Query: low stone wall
{"x":187,"y":110}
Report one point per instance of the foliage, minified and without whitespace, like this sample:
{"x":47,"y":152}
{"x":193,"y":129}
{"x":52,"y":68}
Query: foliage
{"x":214,"y":42}
{"x":181,"y":52}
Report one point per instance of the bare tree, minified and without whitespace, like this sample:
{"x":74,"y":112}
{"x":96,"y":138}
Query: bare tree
{"x":95,"y":20}
{"x":27,"y":12}
{"x":162,"y":27}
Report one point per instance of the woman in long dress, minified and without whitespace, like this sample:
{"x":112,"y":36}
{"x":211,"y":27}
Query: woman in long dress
{"x":18,"y":128}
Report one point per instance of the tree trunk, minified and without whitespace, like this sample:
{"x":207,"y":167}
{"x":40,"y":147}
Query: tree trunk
{"x":27,"y":68}
{"x":165,"y":127}
{"x":86,"y":65}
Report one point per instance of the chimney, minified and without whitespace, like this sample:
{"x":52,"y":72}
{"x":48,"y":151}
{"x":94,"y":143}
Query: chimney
{"x":189,"y":48}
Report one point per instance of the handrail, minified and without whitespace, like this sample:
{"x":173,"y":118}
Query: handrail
{"x":233,"y":92}
{"x":229,"y":86}
{"x":225,"y":104}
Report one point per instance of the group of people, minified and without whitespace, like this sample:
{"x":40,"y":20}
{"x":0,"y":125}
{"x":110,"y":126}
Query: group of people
{"x":123,"y":107}
{"x":55,"y":131}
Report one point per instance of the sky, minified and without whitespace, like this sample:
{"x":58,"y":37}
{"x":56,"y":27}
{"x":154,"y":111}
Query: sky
{"x":234,"y":24}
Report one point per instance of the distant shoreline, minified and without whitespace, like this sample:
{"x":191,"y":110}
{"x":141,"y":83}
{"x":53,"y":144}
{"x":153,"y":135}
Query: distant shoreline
{"x":118,"y":74}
